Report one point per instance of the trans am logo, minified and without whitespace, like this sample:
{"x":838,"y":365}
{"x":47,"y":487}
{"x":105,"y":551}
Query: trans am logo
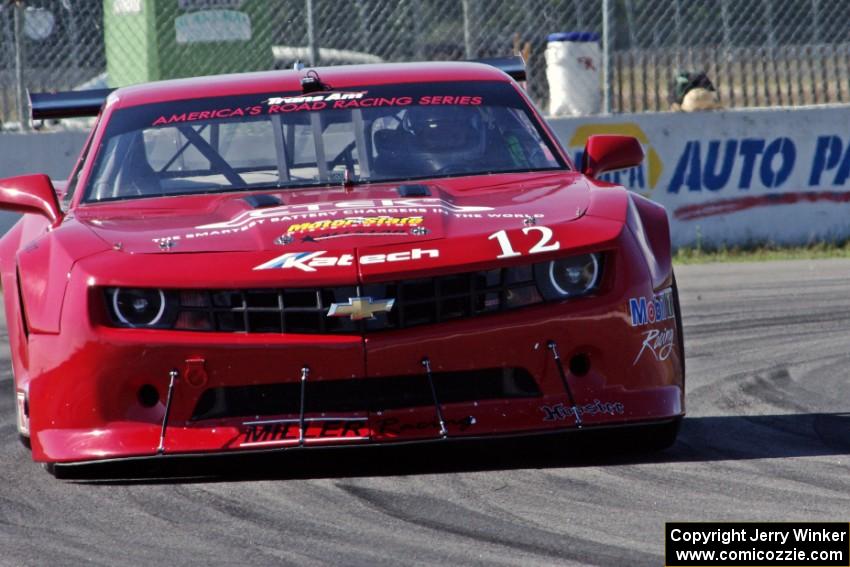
{"x":322,"y":97}
{"x":646,"y":310}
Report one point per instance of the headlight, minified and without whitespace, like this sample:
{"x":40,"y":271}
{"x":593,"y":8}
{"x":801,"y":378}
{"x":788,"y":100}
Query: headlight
{"x":568,"y":277}
{"x":137,"y":307}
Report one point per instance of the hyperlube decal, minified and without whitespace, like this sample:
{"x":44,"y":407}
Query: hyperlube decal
{"x":560,"y":412}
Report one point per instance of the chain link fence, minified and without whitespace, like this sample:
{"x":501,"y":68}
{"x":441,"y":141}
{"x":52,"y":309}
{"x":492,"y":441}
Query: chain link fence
{"x":756,"y":52}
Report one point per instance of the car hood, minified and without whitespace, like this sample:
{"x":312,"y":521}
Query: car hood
{"x":337,"y":219}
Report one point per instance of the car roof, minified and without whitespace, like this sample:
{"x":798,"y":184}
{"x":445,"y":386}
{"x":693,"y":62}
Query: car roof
{"x":342,"y":76}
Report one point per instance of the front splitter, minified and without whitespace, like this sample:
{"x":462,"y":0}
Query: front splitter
{"x":234,"y":465}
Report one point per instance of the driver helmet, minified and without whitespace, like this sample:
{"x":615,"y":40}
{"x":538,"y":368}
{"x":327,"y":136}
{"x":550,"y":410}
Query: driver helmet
{"x":446,"y":130}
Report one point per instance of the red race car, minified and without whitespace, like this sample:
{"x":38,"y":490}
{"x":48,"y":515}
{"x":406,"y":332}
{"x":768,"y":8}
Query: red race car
{"x":337,"y":256}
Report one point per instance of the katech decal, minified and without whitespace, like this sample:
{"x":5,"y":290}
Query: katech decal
{"x":310,"y":261}
{"x":659,"y":342}
{"x":646,"y":310}
{"x":560,"y":412}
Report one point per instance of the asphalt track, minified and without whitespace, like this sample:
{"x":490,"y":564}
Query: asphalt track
{"x":767,"y":438}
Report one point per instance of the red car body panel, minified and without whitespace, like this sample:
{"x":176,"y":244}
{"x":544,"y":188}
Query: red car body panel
{"x":82,"y":377}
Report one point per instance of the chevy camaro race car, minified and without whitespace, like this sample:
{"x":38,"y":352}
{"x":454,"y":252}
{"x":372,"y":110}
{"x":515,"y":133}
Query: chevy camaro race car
{"x":334,"y":256}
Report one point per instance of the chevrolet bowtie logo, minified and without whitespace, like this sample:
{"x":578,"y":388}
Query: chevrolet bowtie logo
{"x":360,"y":308}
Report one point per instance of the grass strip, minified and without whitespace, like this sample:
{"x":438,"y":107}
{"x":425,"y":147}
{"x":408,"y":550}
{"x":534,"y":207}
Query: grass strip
{"x":761,"y":253}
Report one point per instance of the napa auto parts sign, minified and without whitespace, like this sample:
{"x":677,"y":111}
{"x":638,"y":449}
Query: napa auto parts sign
{"x":737,"y":176}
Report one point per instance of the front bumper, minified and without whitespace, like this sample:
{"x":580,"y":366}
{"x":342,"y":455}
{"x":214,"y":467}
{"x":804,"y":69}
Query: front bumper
{"x":91,"y":388}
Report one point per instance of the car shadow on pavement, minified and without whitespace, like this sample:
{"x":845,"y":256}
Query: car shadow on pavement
{"x":701,"y":439}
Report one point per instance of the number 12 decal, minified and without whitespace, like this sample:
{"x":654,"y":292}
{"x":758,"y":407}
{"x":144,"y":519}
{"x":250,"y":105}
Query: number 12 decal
{"x":545,"y":243}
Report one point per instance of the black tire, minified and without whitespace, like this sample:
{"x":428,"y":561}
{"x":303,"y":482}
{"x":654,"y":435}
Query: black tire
{"x":25,"y":441}
{"x":642,"y":439}
{"x":659,"y":437}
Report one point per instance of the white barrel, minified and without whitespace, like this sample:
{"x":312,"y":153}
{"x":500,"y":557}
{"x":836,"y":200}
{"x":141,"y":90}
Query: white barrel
{"x":573,"y":69}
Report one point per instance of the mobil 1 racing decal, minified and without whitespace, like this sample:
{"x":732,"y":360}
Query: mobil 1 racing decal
{"x":560,"y":412}
{"x":311,"y":261}
{"x":658,"y":343}
{"x":652,"y":309}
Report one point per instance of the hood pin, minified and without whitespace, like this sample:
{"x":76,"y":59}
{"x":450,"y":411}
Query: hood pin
{"x":167,"y":244}
{"x":529,"y":221}
{"x":418,"y":231}
{"x":284,"y":239}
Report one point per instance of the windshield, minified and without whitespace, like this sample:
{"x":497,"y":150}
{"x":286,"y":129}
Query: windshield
{"x":374,"y":133}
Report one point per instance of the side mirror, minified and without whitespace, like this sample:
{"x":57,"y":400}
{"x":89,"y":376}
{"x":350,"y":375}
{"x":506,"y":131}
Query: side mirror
{"x":605,"y":152}
{"x":31,"y":194}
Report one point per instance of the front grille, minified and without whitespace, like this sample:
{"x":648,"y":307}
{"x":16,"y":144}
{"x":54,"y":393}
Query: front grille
{"x":304,"y":310}
{"x":366,"y":394}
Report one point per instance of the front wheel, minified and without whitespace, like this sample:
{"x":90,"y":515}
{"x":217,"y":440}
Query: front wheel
{"x":642,"y":439}
{"x":658,"y":437}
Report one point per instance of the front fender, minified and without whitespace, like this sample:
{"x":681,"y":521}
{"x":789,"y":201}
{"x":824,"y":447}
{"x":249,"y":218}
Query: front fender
{"x":45,"y":266}
{"x":649,"y":223}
